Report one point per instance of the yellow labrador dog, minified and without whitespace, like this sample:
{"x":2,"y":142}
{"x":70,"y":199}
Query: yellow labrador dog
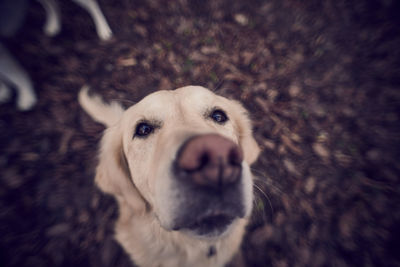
{"x":178,"y":164}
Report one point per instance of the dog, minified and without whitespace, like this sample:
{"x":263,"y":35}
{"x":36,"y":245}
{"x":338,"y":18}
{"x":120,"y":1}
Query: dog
{"x":178,"y":164}
{"x":12,"y":15}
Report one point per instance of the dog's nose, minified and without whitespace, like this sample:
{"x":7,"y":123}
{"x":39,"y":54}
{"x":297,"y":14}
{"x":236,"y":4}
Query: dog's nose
{"x":210,"y":160}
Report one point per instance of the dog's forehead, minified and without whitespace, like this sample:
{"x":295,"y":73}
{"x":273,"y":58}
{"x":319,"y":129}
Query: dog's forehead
{"x":194,"y":92}
{"x":162,"y":103}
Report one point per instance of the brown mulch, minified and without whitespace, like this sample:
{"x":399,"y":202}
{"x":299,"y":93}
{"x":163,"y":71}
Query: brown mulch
{"x":320,"y":79}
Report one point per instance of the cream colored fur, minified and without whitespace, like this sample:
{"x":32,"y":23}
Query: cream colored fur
{"x":136,"y":172}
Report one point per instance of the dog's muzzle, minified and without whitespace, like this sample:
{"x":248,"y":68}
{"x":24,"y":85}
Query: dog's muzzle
{"x":208,"y":169}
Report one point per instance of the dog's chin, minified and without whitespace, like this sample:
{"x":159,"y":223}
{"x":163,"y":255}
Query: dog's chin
{"x":208,"y":227}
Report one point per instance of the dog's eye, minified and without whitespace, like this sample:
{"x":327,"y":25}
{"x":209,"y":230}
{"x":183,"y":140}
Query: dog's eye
{"x":143,"y":129}
{"x":219,"y":116}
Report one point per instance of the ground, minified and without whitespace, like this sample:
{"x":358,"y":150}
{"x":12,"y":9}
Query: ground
{"x":320,"y":80}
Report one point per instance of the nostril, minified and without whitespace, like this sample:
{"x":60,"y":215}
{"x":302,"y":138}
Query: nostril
{"x":204,"y":160}
{"x":195,"y":161}
{"x":235,"y":156}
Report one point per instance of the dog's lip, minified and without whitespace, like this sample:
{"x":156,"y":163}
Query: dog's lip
{"x":211,"y":224}
{"x":212,"y":221}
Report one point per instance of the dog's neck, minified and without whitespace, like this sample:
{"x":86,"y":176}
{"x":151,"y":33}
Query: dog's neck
{"x":141,"y":234}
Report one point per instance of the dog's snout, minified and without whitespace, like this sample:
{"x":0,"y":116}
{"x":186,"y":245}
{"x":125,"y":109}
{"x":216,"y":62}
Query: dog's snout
{"x":211,"y":160}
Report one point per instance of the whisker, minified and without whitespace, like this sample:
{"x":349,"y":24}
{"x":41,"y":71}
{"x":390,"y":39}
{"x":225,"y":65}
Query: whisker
{"x":219,"y":84}
{"x":267,"y":181}
{"x":262,"y":173}
{"x":266,"y":196}
{"x":258,"y":205}
{"x":275,"y":188}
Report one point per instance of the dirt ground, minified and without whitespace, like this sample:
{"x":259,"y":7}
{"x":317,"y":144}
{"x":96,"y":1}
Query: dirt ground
{"x":321,"y":80}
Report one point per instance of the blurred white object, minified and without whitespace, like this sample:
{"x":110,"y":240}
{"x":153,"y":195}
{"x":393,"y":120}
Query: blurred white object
{"x":53,"y":17}
{"x":12,"y":15}
{"x":12,"y":74}
{"x":103,"y":30}
{"x":53,"y":25}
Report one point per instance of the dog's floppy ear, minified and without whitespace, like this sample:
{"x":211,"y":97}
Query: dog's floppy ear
{"x":249,"y":145}
{"x":113,"y":175}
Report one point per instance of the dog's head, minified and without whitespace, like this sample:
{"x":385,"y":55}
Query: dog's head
{"x":184,"y":156}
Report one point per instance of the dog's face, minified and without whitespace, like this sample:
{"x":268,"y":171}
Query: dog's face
{"x":188,"y":153}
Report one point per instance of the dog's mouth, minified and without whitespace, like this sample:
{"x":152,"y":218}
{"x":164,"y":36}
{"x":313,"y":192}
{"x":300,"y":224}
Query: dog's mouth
{"x":209,"y":225}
